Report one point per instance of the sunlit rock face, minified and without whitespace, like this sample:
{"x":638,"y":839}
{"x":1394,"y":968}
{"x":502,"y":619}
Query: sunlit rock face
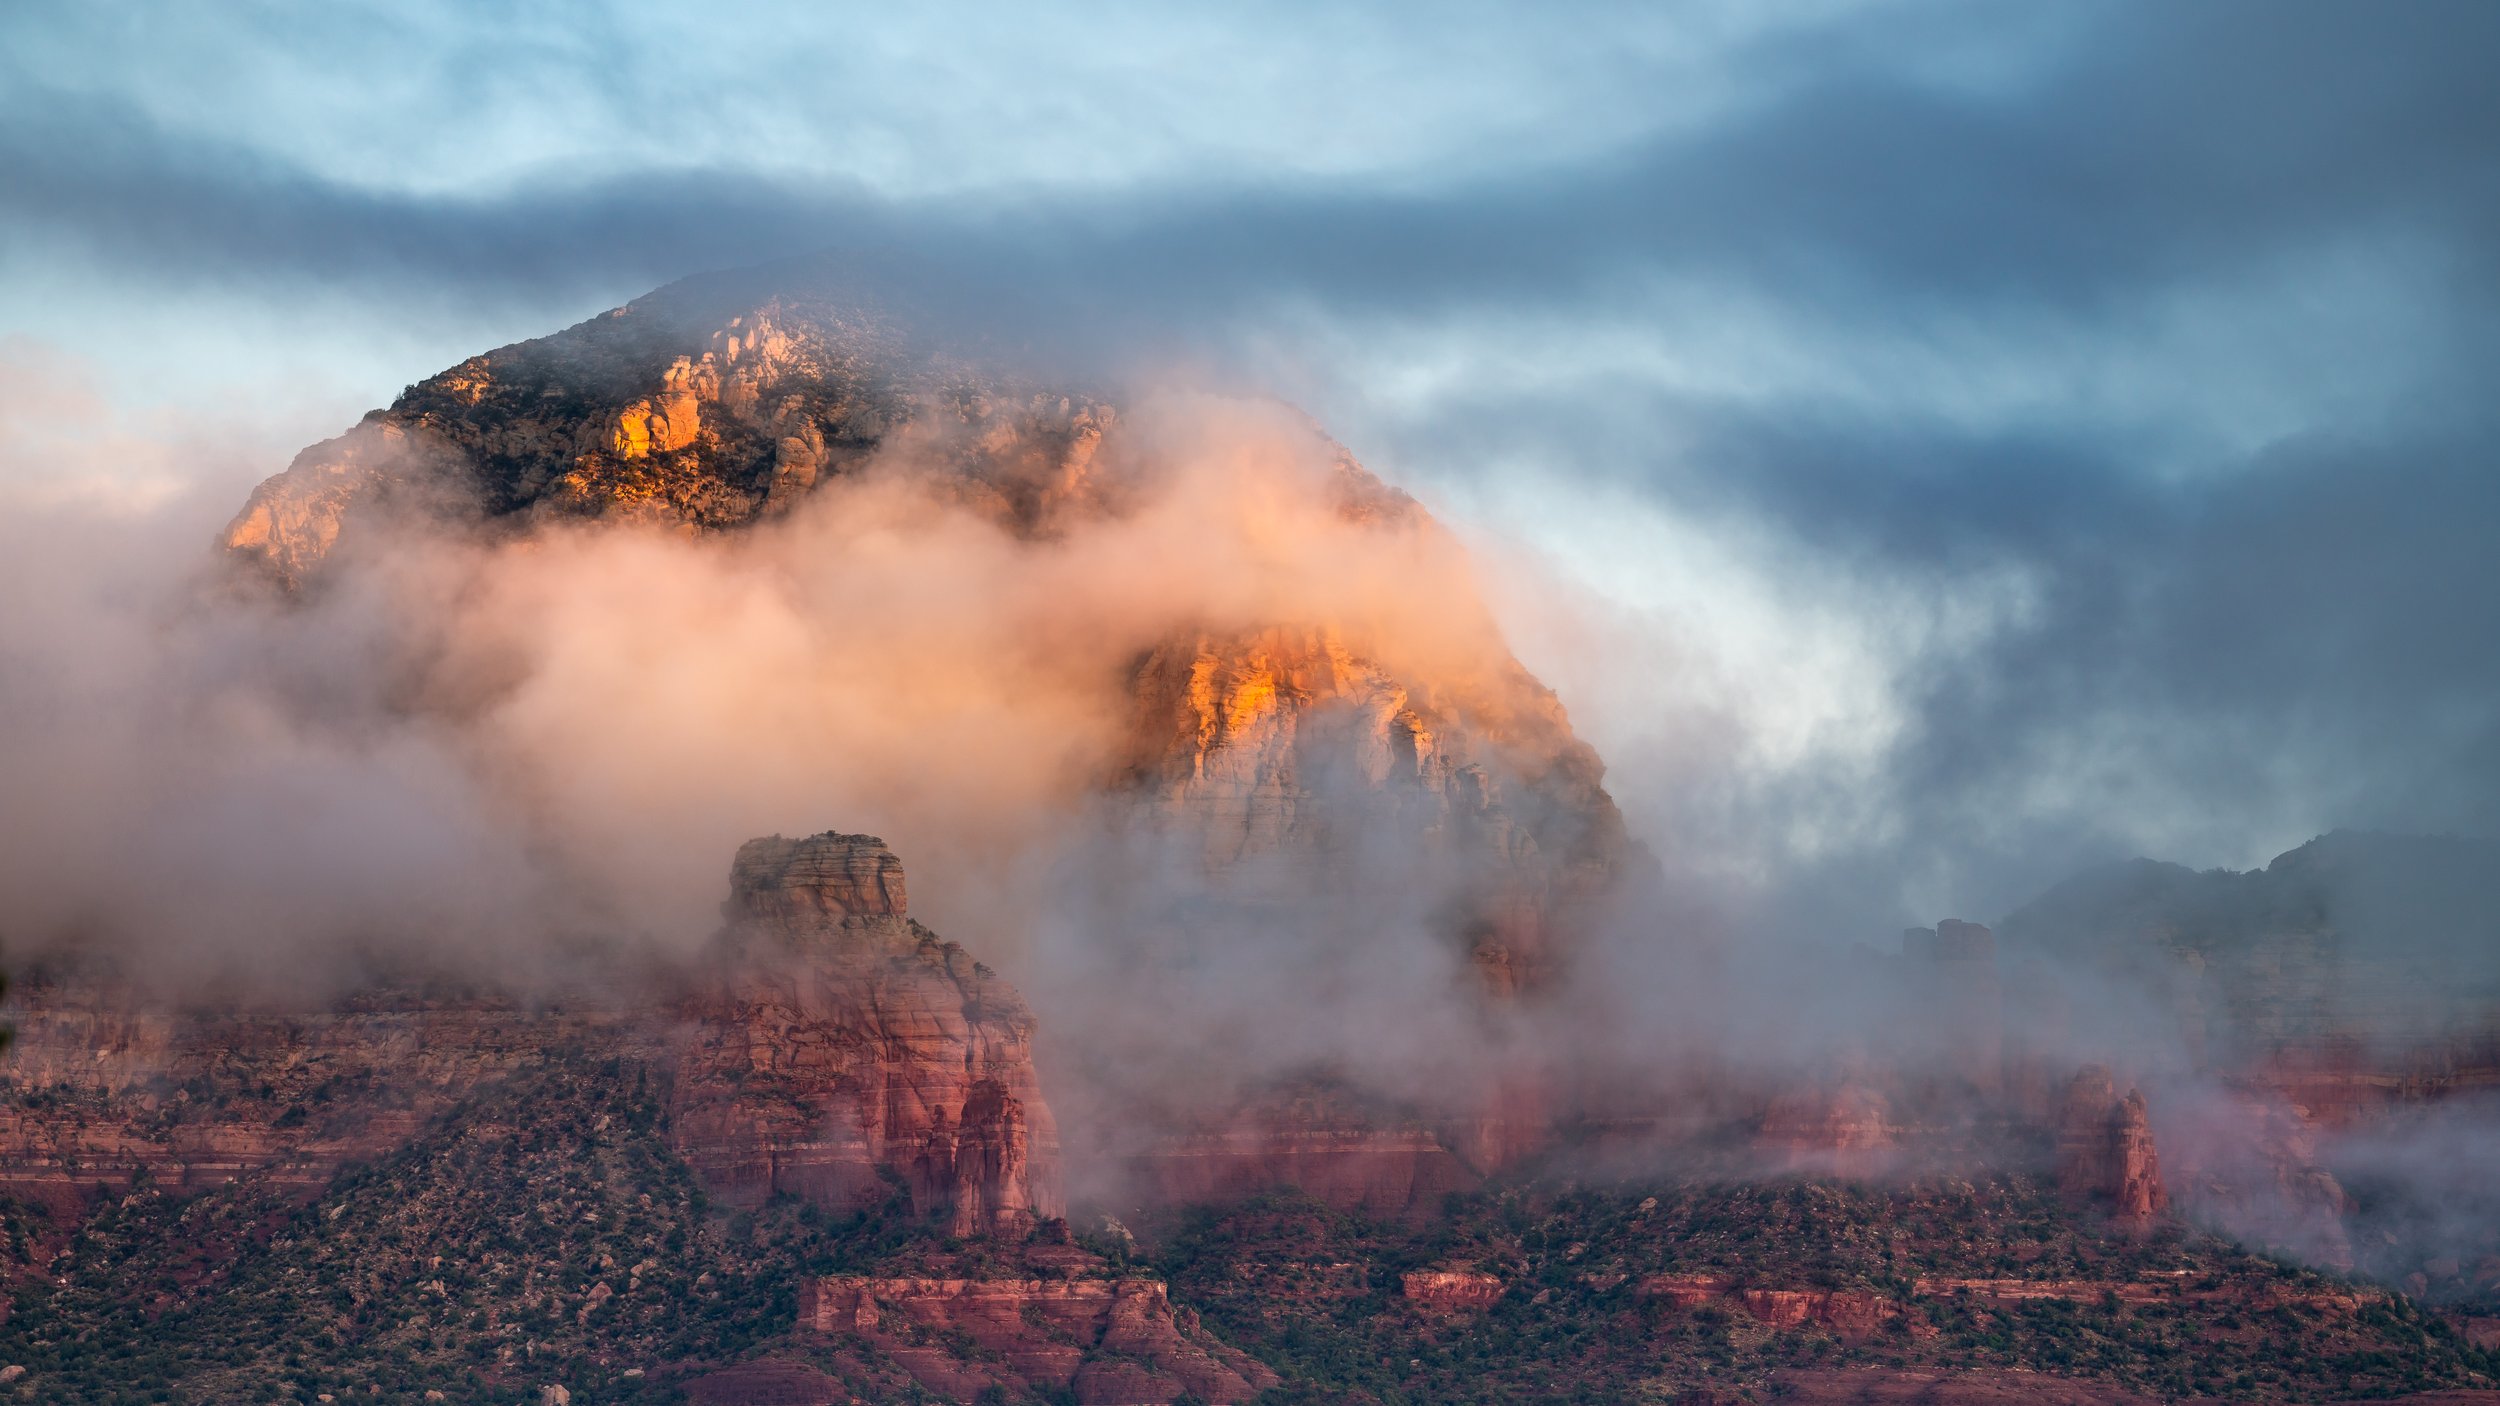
{"x":1285,"y":741}
{"x":724,"y":400}
{"x":711,"y":402}
{"x":836,"y":1049}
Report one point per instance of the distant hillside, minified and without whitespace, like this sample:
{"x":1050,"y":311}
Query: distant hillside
{"x":2353,"y":933}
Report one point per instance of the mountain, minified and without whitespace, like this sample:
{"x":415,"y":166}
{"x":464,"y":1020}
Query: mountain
{"x":1318,"y":753}
{"x":724,"y":401}
{"x":2378,"y":944}
{"x":828,"y":1156}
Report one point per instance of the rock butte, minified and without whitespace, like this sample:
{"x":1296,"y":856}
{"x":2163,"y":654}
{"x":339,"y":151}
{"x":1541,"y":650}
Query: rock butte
{"x":833,"y":1040}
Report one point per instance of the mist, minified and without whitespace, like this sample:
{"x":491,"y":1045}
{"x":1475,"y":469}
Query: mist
{"x":1928,"y":451}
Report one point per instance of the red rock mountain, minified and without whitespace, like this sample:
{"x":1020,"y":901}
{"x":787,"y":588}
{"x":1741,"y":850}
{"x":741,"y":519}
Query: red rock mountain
{"x":722,"y":400}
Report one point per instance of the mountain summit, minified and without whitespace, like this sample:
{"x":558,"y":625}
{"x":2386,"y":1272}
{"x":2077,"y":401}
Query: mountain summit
{"x":724,"y":402}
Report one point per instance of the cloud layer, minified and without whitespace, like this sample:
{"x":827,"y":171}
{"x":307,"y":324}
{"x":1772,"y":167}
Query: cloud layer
{"x":2020,"y":438}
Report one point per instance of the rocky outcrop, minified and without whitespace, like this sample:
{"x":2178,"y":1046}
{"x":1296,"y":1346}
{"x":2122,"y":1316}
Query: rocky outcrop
{"x":1292,"y":742}
{"x":1322,"y":1140}
{"x":376,"y":472}
{"x":718,"y":401}
{"x":710,"y":403}
{"x":1846,"y":1313}
{"x":1299,"y":748}
{"x":1106,"y":1341}
{"x":2105,"y":1153}
{"x":1450,"y":1291}
{"x":836,"y":1049}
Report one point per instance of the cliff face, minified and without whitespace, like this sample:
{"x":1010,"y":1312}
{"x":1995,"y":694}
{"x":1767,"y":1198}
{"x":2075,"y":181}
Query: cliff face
{"x":836,"y":1044}
{"x":2105,"y":1151}
{"x":1288,"y":742}
{"x":711,"y":402}
{"x":101,"y":1091}
{"x":1291,"y":747}
{"x":1103,"y":1341}
{"x":1843,"y":1130}
{"x":832,"y":1049}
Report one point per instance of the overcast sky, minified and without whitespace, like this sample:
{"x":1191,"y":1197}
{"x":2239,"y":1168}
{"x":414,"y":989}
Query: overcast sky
{"x":1975,"y":439}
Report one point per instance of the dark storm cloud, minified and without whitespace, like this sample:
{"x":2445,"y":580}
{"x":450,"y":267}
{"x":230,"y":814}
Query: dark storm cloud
{"x":2159,"y":145}
{"x":2289,"y":617}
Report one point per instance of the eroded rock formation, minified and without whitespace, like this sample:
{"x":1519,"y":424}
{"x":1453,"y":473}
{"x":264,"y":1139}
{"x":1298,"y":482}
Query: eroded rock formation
{"x":1344,"y":1151}
{"x":718,"y":401}
{"x":1288,"y":741}
{"x":2105,"y":1151}
{"x":1105,"y":1340}
{"x":1849,"y":1315}
{"x":1451,"y":1291}
{"x":834,"y":1050}
{"x":837,"y":1048}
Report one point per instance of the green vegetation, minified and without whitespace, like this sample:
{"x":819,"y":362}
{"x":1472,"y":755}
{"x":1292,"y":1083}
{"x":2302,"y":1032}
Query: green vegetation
{"x":1318,"y":1295}
{"x":543,"y":1232}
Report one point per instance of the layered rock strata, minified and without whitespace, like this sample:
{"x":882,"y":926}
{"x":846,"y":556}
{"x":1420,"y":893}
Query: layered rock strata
{"x":2105,"y":1152}
{"x":102,"y":1089}
{"x":832,"y":1049}
{"x":1102,"y":1340}
{"x":836,"y":1049}
{"x":1842,"y":1130}
{"x":723,"y":400}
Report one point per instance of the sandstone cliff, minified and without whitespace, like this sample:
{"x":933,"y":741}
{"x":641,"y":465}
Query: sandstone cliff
{"x":2105,"y":1149}
{"x":1287,"y":741}
{"x":102,"y":1090}
{"x":836,"y":1045}
{"x":833,"y":1050}
{"x":1102,"y":1340}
